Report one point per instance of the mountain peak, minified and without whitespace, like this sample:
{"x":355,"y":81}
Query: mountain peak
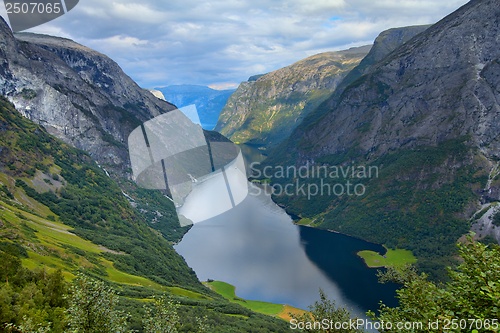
{"x":78,"y":94}
{"x":414,"y":96}
{"x":5,"y":29}
{"x":265,"y":110}
{"x":54,"y":41}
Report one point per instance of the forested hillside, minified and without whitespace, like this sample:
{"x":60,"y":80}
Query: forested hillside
{"x":60,"y":211}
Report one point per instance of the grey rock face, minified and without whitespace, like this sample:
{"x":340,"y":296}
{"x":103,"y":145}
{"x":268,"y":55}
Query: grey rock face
{"x":442,"y":84}
{"x":77,"y":94}
{"x":439,"y":87}
{"x":386,"y":42}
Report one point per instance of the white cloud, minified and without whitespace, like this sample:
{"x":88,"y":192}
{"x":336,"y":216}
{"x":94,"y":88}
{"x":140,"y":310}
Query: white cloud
{"x":316,"y":7}
{"x":137,"y":12}
{"x":225,"y":41}
{"x":224,"y":86}
{"x":124,"y":43}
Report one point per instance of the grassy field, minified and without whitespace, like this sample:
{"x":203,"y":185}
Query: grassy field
{"x":393,"y":258}
{"x":186,"y":293}
{"x":305,"y":221}
{"x":228,"y":291}
{"x":51,"y":245}
{"x":125,"y":278}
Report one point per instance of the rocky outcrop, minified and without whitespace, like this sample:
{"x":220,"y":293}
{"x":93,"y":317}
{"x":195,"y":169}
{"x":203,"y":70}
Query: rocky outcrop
{"x":386,"y":42}
{"x":265,"y":110}
{"x":441,"y":85}
{"x":157,"y":94}
{"x":79,"y":95}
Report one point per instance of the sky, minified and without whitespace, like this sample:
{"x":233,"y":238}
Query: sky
{"x":220,"y":43}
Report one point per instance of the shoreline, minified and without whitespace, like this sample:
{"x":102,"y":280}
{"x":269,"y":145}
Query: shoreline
{"x":341,"y":233}
{"x":295,"y":222}
{"x":228,"y":291}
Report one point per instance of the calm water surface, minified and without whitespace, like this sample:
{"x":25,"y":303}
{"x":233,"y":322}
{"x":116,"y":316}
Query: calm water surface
{"x":257,"y":248}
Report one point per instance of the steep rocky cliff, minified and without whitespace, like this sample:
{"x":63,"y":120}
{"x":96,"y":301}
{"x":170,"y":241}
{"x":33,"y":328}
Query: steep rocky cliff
{"x":265,"y":111}
{"x":441,"y":85}
{"x":427,"y":116}
{"x":76,"y":93}
{"x":386,"y":42}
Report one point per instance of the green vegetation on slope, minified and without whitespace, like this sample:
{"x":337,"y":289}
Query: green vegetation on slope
{"x":469,"y":302}
{"x":264,"y":112}
{"x":271,"y":121}
{"x":228,"y":291}
{"x":392,"y":258}
{"x":60,"y":211}
{"x":83,"y":197}
{"x":418,"y":201}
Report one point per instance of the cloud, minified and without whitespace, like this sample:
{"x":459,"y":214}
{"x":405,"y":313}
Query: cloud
{"x":223,"y":86}
{"x":223,"y":42}
{"x":124,"y":43}
{"x":137,"y":12}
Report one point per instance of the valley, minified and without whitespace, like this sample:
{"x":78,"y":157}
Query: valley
{"x":370,"y":187}
{"x":257,"y":248}
{"x":102,"y":235}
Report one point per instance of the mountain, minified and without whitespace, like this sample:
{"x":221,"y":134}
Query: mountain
{"x":426,"y":116}
{"x":61,"y":211}
{"x":60,"y":208}
{"x":80,"y":96}
{"x":386,"y":42}
{"x":209,"y":102}
{"x":265,"y":110}
{"x":84,"y":98}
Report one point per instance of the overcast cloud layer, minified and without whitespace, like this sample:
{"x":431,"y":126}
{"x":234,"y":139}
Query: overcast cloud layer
{"x":223,"y":42}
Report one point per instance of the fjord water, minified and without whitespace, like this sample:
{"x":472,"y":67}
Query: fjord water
{"x":257,"y":248}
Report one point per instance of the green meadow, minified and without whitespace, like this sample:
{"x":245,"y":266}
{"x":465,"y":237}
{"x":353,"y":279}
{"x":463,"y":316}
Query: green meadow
{"x":228,"y":291}
{"x":392,"y":258}
{"x":54,"y":246}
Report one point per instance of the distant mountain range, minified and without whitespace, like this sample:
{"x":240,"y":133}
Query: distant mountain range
{"x":265,"y":110}
{"x":209,"y":102}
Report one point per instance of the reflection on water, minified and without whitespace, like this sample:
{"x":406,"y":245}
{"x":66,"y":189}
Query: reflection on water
{"x":335,"y":255}
{"x":251,"y":154}
{"x":257,"y":248}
